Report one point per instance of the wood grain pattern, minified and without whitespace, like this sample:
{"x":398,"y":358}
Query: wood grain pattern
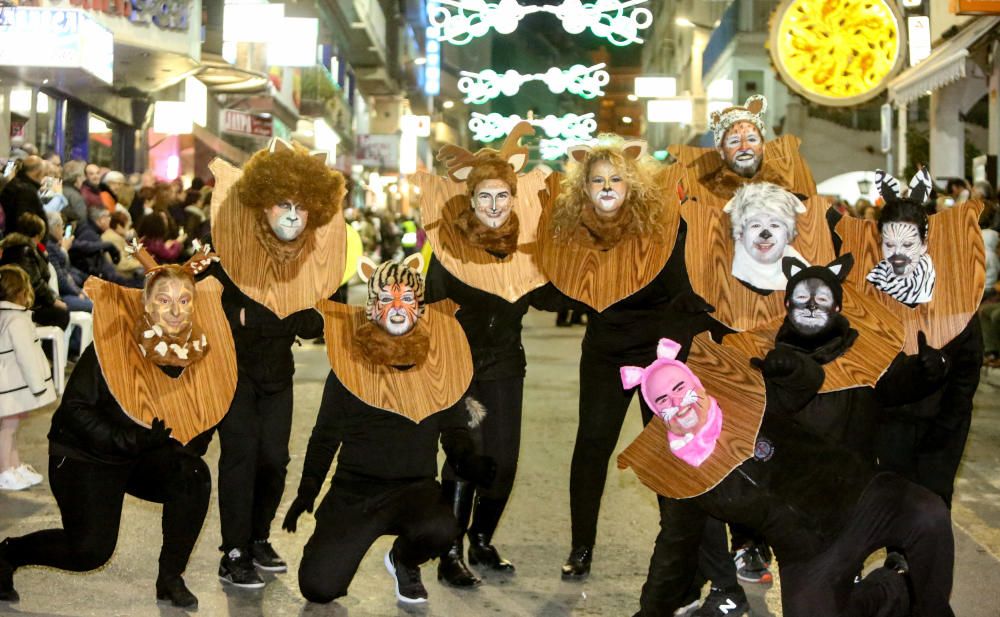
{"x":602,"y":278}
{"x":511,"y":277}
{"x":880,"y":338}
{"x":415,"y":393}
{"x":726,"y":374}
{"x":955,"y":245}
{"x":783,"y":165}
{"x":193,"y":402}
{"x":709,"y":251}
{"x":283,"y":288}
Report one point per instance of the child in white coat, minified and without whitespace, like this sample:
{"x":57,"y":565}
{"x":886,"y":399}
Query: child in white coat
{"x":25,"y":376}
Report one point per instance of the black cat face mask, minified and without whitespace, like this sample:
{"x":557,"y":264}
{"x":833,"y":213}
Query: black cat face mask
{"x":814,"y":294}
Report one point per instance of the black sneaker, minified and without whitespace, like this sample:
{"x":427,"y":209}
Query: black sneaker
{"x":173,"y":589}
{"x":409,"y":589}
{"x":751,"y":565}
{"x":236,"y":568}
{"x":265,"y":557}
{"x":724,"y":603}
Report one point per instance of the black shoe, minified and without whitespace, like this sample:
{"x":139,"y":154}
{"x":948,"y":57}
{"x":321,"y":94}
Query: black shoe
{"x":482,"y":552}
{"x":897,"y":563}
{"x":265,"y":557}
{"x":236,"y":568}
{"x":7,"y":591}
{"x":578,"y":563}
{"x":452,"y":569}
{"x":730,"y":602}
{"x":173,"y":588}
{"x":409,"y":588}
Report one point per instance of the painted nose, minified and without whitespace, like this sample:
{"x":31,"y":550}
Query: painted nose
{"x":765,"y":235}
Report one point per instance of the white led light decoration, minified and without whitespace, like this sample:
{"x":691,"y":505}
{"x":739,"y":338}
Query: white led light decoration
{"x":585,"y":81}
{"x":491,"y":127}
{"x":461,"y":21}
{"x":555,"y":148}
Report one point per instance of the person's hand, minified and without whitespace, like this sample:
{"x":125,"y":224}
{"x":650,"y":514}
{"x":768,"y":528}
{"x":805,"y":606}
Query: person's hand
{"x":59,"y":304}
{"x":66,"y":243}
{"x":481,"y":470}
{"x":157,"y":435}
{"x":299,"y":505}
{"x":82,"y":296}
{"x":777,"y":363}
{"x":181,"y":235}
{"x":57,"y":186}
{"x":933,"y":363}
{"x":112,"y":251}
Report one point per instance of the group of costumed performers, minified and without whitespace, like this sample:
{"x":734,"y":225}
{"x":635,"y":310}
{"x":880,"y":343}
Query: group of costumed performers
{"x":803,"y":378}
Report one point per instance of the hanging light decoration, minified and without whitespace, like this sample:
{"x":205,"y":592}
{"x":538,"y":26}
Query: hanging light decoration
{"x":585,"y":81}
{"x":491,"y":127}
{"x":554,"y":148}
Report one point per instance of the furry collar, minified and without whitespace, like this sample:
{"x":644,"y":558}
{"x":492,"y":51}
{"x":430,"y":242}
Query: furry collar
{"x":499,"y":242}
{"x":918,"y":288}
{"x":165,"y":350}
{"x":603,"y":234}
{"x":279,"y":250}
{"x":724,"y":182}
{"x":373,"y":344}
{"x":825,"y":346}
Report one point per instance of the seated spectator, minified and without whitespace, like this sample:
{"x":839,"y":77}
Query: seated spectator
{"x":20,"y":195}
{"x":119,"y":233}
{"x":92,"y":255}
{"x":73,"y":177}
{"x":91,"y":187}
{"x":112,"y":184}
{"x":24,"y":248}
{"x":153,"y":233}
{"x":958,"y":189}
{"x":69,"y":278}
{"x":197,"y":222}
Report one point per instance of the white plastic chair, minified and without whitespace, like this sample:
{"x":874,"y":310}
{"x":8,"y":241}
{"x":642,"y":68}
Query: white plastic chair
{"x":81,"y":320}
{"x":58,"y":338}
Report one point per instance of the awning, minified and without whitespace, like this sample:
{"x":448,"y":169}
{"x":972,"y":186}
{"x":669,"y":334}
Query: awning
{"x":946,"y":64}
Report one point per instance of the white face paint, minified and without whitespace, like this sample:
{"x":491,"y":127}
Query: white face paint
{"x":743,"y":149}
{"x":902,"y":247}
{"x":608,"y":188}
{"x":492,"y":203}
{"x":287,"y":220}
{"x":811,"y":306}
{"x":765,"y":236}
{"x":396,"y":309}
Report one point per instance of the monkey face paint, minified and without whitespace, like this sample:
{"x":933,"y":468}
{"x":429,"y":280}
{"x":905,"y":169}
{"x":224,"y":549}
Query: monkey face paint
{"x":765,"y":236}
{"x":396,"y":309}
{"x":170,"y":305}
{"x":811,"y":306}
{"x":287,"y":220}
{"x":492,"y":203}
{"x":608,"y":188}
{"x":902,"y":247}
{"x":743,"y":149}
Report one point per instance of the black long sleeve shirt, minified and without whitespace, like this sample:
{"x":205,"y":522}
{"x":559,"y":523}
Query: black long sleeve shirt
{"x":378,"y":450}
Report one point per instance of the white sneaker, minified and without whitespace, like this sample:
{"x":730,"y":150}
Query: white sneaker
{"x":10,"y":480}
{"x":28,"y":472}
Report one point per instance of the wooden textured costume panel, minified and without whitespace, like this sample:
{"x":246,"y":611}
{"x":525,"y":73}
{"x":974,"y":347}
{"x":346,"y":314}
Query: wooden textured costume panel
{"x":955,"y":245}
{"x":602,"y":278}
{"x":511,"y":277}
{"x":708,"y":253}
{"x":704,"y":179}
{"x":880,"y":338}
{"x":283,"y":288}
{"x":416,"y":393}
{"x":739,"y":389}
{"x":193,"y":402}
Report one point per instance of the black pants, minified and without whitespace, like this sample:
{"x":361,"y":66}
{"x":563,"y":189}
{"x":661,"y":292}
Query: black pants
{"x":603,"y":404}
{"x":900,"y":450}
{"x":253,"y":460}
{"x":347,"y":525}
{"x":90,"y":497}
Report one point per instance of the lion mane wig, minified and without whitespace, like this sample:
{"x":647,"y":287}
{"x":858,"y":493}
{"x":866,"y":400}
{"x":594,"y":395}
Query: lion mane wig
{"x":641,"y":212}
{"x":289,"y":172}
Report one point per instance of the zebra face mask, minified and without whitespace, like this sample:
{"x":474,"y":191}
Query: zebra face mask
{"x":906,"y":271}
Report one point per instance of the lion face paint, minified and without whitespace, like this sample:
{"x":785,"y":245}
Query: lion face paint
{"x":287,"y":220}
{"x":675,"y":394}
{"x":492,"y":203}
{"x":743,"y":149}
{"x":169,"y":304}
{"x":607,"y":187}
{"x":396,"y":309}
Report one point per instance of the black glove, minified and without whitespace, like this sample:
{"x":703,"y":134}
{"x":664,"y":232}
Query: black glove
{"x":935,"y":439}
{"x":157,"y":435}
{"x":112,"y":251}
{"x":303,"y":502}
{"x":934,"y":364}
{"x":476,"y":468}
{"x":778,"y":363}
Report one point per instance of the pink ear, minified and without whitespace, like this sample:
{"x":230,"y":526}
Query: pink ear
{"x":667,"y":348}
{"x":631,"y":376}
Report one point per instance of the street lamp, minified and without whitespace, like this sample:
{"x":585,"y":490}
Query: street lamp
{"x":865,"y":186}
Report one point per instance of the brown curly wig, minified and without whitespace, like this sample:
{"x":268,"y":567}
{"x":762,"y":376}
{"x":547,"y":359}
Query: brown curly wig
{"x":642,"y":203}
{"x":490,"y":166}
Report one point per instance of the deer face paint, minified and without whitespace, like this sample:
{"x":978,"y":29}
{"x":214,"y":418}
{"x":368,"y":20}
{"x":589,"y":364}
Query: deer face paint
{"x":811,"y":306}
{"x":743,"y":149}
{"x":492,"y":203}
{"x":608,"y":188}
{"x":169,"y":304}
{"x":396,"y":309}
{"x":287,"y":220}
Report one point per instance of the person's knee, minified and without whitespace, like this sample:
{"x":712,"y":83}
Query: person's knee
{"x":195,"y":478}
{"x":93,"y":553}
{"x":317,"y":583}
{"x":438,"y":533}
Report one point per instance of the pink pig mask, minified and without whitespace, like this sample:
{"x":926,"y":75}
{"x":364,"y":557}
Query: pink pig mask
{"x":676,"y":395}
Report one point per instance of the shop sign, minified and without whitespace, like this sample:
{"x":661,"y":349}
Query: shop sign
{"x":975,"y":7}
{"x":56,"y":38}
{"x":239,"y":122}
{"x":164,"y":14}
{"x":378,"y":151}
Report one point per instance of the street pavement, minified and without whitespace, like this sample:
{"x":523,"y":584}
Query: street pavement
{"x":534,"y":533}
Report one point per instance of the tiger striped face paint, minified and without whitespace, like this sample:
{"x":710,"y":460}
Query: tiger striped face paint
{"x":395,"y":308}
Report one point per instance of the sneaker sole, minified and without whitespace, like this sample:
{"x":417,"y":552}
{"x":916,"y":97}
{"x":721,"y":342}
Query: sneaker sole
{"x":688,"y":609}
{"x":261,"y":566}
{"x":763,"y":579}
{"x":395,"y":582}
{"x":259,"y":585}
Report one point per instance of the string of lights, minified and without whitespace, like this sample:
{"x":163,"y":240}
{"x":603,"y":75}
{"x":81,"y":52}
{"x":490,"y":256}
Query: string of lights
{"x":585,"y":81}
{"x":491,"y":127}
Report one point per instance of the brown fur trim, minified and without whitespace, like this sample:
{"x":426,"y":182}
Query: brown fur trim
{"x":724,"y":182}
{"x":603,"y":234}
{"x":500,"y":242}
{"x":182,"y":350}
{"x":280,"y":250}
{"x":373,"y":344}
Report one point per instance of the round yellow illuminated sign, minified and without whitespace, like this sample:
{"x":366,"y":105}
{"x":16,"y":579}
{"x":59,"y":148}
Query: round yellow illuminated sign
{"x":837,"y":52}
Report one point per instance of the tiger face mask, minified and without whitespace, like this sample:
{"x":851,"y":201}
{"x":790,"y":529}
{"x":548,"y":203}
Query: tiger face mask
{"x":395,"y":293}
